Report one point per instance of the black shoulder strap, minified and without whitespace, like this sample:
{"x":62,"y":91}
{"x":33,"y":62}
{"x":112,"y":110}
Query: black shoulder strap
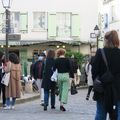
{"x":104,"y":58}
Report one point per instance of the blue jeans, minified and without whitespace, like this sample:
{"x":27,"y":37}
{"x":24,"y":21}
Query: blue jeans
{"x":8,"y":102}
{"x":118,"y":110}
{"x":46,"y":97}
{"x":101,"y":113}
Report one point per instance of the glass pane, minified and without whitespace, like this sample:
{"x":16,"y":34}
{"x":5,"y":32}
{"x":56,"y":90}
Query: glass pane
{"x":6,"y":3}
{"x":15,"y":22}
{"x":39,"y":20}
{"x":63,"y":24}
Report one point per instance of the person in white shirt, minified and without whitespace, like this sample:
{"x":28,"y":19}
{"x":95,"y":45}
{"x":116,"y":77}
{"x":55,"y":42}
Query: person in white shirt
{"x":88,"y":69}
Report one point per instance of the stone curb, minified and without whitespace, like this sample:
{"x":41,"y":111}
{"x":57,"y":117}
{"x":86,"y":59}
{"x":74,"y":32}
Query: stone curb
{"x":24,"y":100}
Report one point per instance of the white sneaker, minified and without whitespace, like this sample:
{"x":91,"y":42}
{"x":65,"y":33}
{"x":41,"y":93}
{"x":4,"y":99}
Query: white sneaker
{"x":12,"y":107}
{"x":7,"y":108}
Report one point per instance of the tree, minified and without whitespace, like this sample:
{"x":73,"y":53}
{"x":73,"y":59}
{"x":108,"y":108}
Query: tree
{"x":79,"y":56}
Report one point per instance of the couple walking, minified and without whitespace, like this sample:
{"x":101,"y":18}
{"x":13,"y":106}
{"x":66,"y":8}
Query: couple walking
{"x":50,"y":64}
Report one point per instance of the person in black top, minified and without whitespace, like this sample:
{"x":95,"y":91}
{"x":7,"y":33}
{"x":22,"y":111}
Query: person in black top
{"x":63,"y":66}
{"x":2,"y":86}
{"x":112,"y":53}
{"x":76,"y":70}
{"x":37,"y":74}
{"x":47,"y":84}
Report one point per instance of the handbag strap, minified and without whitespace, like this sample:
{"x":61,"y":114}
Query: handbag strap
{"x":104,"y":58}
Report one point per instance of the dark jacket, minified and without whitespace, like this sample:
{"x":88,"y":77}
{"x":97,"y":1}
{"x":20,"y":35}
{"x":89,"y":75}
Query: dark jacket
{"x":47,"y":71}
{"x":74,"y":65}
{"x":99,"y":68}
{"x":37,"y":70}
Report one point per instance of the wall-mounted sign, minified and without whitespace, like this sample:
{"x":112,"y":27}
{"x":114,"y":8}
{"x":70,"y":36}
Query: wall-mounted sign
{"x":14,"y":37}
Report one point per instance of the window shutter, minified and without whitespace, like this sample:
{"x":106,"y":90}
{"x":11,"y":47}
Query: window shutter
{"x":75,"y":30}
{"x":24,"y":22}
{"x":0,"y":22}
{"x":51,"y":25}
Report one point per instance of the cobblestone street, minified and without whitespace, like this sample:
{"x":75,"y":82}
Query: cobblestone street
{"x":77,"y":109}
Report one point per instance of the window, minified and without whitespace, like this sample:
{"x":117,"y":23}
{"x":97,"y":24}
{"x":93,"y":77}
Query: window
{"x":106,"y":21}
{"x":63,"y":24}
{"x":113,"y":14}
{"x":39,"y":19}
{"x":2,"y":22}
{"x":15,"y":22}
{"x":19,"y":22}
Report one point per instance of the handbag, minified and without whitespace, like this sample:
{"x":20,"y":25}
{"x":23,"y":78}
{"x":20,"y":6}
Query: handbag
{"x":97,"y":85}
{"x":57,"y":89}
{"x":54,"y":76}
{"x":78,"y":72}
{"x":5,"y":79}
{"x":73,"y":88}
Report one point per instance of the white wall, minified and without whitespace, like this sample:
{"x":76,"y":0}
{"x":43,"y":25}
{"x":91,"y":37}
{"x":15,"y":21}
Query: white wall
{"x":115,"y":25}
{"x":88,"y":10}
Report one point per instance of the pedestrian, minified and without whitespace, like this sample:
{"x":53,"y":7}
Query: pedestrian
{"x":13,"y":90}
{"x":37,"y":74}
{"x":63,"y":65}
{"x":88,"y":71}
{"x":112,"y":53}
{"x":76,"y":70}
{"x":47,"y":84}
{"x":2,"y":86}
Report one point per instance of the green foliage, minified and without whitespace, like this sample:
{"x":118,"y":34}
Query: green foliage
{"x":79,"y":56}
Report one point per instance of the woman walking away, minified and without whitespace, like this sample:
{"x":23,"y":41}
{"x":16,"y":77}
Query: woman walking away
{"x":14,"y":87}
{"x":108,"y":100}
{"x":88,"y":70}
{"x":47,"y":84}
{"x":63,"y":66}
{"x":2,"y":86}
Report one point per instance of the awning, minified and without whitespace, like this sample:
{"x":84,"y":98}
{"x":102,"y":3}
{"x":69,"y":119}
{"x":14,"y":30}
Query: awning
{"x":31,"y":42}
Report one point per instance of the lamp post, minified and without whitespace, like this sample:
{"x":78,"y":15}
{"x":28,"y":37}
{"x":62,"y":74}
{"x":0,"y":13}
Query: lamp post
{"x":6,"y":5}
{"x":97,"y":34}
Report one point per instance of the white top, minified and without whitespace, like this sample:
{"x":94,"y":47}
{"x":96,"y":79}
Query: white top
{"x":89,"y":74}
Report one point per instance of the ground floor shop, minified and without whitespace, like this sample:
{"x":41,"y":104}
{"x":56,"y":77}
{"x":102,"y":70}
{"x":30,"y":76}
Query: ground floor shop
{"x":27,"y":52}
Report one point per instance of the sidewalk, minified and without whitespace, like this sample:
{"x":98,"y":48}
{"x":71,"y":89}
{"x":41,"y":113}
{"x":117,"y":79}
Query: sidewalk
{"x":26,"y":98}
{"x":33,"y":96}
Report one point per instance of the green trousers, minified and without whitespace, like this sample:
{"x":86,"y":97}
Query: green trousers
{"x":63,"y":84}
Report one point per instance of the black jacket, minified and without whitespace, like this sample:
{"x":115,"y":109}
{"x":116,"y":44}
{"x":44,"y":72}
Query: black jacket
{"x":47,"y":71}
{"x":37,"y":70}
{"x":99,"y":68}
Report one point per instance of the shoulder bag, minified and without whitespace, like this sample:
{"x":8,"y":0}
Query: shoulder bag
{"x":107,"y":78}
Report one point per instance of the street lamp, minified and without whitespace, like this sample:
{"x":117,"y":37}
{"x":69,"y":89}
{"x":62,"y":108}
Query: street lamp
{"x":97,"y":33}
{"x":6,"y":5}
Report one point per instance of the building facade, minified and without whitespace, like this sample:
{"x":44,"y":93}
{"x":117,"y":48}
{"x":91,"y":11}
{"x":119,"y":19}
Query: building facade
{"x":110,"y":14}
{"x":40,"y":25}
